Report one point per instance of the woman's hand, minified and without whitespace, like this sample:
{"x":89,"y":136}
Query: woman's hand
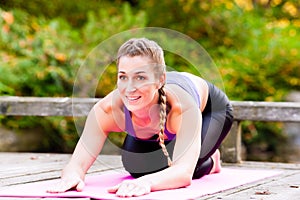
{"x":67,"y":183}
{"x":131,"y":188}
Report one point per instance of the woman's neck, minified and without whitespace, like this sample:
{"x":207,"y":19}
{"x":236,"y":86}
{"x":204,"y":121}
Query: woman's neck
{"x":147,"y":115}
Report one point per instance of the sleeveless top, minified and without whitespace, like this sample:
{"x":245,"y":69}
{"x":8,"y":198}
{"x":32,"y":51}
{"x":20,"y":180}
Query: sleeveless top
{"x":176,"y":78}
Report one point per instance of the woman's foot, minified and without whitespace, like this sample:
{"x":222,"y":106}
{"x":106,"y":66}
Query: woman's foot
{"x":217,"y":162}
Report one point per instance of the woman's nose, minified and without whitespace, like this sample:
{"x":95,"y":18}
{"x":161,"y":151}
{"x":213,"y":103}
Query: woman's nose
{"x":131,"y":87}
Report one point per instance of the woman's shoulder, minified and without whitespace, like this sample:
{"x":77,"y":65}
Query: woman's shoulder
{"x":111,"y":102}
{"x":199,"y":83}
{"x":201,"y":87}
{"x":177,"y":98}
{"x":112,"y":116}
{"x":194,"y":78}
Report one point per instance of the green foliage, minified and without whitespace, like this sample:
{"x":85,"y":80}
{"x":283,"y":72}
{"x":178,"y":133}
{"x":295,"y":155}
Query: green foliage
{"x":34,"y":56}
{"x":97,"y":22}
{"x":41,"y":58}
{"x":266,"y":67}
{"x":73,"y":12}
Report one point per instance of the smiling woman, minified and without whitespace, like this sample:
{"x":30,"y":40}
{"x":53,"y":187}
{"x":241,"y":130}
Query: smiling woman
{"x":175,"y":122}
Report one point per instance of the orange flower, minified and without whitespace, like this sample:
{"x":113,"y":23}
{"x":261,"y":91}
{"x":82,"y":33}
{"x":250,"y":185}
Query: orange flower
{"x":60,"y":57}
{"x":8,"y":17}
{"x":5,"y":28}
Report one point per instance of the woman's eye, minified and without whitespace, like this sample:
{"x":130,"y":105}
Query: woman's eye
{"x":140,"y":78}
{"x":122,"y":77}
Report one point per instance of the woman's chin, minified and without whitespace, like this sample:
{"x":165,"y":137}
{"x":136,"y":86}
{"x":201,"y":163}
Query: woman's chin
{"x":132,"y":107}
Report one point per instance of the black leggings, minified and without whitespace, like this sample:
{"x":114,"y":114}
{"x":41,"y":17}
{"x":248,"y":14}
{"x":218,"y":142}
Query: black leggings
{"x":141,"y":157}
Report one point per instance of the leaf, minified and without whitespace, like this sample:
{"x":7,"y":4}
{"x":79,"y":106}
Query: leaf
{"x":264,"y":192}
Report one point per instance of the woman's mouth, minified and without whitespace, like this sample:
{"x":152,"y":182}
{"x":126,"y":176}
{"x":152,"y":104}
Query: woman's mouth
{"x":133,"y":98}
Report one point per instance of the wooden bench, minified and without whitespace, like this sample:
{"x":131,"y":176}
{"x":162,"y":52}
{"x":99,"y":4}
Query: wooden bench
{"x":78,"y":107}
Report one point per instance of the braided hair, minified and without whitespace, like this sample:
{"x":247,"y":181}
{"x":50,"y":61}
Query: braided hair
{"x":149,"y":48}
{"x":163,"y":115}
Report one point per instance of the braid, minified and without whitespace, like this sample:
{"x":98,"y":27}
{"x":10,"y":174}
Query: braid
{"x":163,"y":113}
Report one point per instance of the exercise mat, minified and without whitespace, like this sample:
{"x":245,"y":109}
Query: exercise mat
{"x":96,"y":185}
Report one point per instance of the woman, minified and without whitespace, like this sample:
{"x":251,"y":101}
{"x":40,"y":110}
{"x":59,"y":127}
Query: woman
{"x":174,"y":121}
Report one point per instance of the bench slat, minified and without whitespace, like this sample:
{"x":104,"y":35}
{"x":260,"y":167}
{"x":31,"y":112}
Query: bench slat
{"x":266,"y":111}
{"x":60,"y":106}
{"x":46,"y":106}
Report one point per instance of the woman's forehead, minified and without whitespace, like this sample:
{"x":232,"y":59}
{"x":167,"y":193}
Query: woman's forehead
{"x":136,"y":64}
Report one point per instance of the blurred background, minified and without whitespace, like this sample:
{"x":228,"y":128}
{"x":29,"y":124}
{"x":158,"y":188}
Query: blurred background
{"x":254,"y":43}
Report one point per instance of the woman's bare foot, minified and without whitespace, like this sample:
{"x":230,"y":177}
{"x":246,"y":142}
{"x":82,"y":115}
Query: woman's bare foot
{"x":217,"y":162}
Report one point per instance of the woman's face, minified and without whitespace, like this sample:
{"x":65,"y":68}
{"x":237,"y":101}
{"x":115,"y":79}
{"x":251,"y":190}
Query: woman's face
{"x":137,"y":83}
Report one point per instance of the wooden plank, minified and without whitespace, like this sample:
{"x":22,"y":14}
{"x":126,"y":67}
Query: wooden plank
{"x":264,"y":165}
{"x":65,"y":106}
{"x":29,"y":167}
{"x":267,"y":111}
{"x":284,"y":186}
{"x":45,"y":106}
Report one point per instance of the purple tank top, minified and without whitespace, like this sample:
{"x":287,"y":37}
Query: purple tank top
{"x":172,"y":78}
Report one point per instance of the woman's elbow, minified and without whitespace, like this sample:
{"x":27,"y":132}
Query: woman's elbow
{"x":186,"y":178}
{"x":184,"y":174}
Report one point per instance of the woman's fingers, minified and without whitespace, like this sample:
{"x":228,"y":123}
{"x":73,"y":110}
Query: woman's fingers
{"x":138,"y":191}
{"x":130,"y":189}
{"x":58,"y":188}
{"x":66,"y":184}
{"x":113,"y":189}
{"x":80,"y":186}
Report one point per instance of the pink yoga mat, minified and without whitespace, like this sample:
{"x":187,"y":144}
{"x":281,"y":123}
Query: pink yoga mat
{"x":96,"y":186}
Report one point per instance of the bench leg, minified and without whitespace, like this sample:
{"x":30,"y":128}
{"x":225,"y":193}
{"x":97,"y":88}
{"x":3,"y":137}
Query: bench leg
{"x":231,"y":147}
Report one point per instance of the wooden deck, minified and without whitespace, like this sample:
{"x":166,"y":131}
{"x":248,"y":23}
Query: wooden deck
{"x":20,"y":168}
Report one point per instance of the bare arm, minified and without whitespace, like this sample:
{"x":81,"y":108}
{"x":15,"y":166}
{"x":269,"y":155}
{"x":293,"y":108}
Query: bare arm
{"x":99,"y":123}
{"x":89,"y":144}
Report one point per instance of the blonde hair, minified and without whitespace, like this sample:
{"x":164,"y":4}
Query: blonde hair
{"x":150,"y":49}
